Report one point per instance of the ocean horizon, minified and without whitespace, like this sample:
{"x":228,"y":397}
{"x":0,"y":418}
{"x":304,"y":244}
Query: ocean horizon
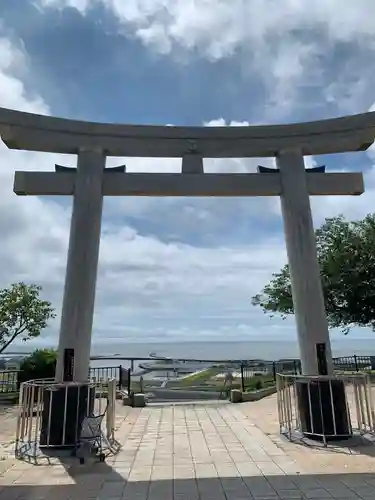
{"x":210,"y":350}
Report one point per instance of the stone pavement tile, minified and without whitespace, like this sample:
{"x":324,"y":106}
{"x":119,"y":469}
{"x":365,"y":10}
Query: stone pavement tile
{"x":256,"y":456}
{"x":12,"y":493}
{"x":6,"y":465}
{"x":222,"y":457}
{"x":135,"y":491}
{"x":235,"y":488}
{"x":227,"y":470}
{"x":112,"y":489}
{"x":282,"y":482}
{"x":269,"y":468}
{"x":290,"y":467}
{"x":293,"y":494}
{"x":183,"y":471}
{"x":248,"y":469}
{"x":122,"y":470}
{"x":205,"y":471}
{"x":210,"y":488}
{"x":315,"y":493}
{"x":343,"y":494}
{"x":185,"y":489}
{"x":10,"y":476}
{"x":347,"y":493}
{"x":162,"y":472}
{"x":140,"y":473}
{"x":143,"y":461}
{"x":240,"y":457}
{"x":203,"y":459}
{"x":34,"y":477}
{"x":160,"y":490}
{"x":369,"y":480}
{"x":307,"y":482}
{"x":259,"y":487}
{"x":186,"y":496}
{"x":187,"y":461}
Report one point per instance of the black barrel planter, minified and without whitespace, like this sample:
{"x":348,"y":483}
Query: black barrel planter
{"x":323,"y":408}
{"x":64,"y":407}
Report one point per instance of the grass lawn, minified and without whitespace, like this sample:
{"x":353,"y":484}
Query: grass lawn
{"x":199,"y":377}
{"x":259,"y":382}
{"x":205,"y":381}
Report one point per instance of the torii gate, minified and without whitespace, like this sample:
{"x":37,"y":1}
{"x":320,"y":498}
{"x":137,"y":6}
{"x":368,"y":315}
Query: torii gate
{"x":90,"y":181}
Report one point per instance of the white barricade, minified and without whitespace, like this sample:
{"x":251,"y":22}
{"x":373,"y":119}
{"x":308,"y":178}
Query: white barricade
{"x":358,"y":408}
{"x":36,"y":429}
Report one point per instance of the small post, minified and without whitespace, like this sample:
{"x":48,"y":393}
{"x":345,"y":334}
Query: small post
{"x":274,"y":370}
{"x":129,"y":380}
{"x":356,"y":363}
{"x":242,"y":379}
{"x":120,"y":377}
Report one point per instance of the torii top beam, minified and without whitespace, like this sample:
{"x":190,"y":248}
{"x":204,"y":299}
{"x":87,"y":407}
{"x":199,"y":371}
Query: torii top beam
{"x":32,"y":132}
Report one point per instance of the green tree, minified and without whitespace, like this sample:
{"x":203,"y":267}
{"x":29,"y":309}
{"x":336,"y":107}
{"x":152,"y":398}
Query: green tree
{"x":23,"y":314}
{"x":40,"y":364}
{"x":346,"y":254}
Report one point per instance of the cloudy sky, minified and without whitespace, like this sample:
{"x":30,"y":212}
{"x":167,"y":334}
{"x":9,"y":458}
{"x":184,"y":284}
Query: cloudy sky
{"x":178,"y":269}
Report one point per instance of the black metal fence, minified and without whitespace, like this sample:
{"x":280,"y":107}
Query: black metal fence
{"x":253,"y":374}
{"x":251,"y":370}
{"x":9,"y":379}
{"x":354,"y":363}
{"x":258,"y":375}
{"x":104,"y":373}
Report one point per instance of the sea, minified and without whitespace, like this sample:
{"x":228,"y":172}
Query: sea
{"x":213,"y":350}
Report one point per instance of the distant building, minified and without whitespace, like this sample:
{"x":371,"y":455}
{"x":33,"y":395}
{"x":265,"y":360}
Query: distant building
{"x":11,"y":364}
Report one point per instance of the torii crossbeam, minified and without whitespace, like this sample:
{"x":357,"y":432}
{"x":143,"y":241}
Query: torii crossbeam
{"x":171,"y":184}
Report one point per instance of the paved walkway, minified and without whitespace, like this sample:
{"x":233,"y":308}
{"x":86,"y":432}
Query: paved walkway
{"x":230,"y":452}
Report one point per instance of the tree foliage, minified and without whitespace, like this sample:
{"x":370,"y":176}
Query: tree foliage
{"x":23,"y":314}
{"x":40,"y":364}
{"x":346,"y":255}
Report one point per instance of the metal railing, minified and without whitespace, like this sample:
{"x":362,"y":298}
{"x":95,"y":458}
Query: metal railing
{"x":256,"y":375}
{"x":354,"y":363}
{"x":248,"y":375}
{"x":38,"y":429}
{"x":8,"y":381}
{"x":356,"y":407}
{"x":105,"y":373}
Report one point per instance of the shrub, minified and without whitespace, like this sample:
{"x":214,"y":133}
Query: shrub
{"x":40,"y":364}
{"x":258,"y":385}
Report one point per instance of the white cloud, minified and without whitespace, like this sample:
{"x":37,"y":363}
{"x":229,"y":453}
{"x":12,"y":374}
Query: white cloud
{"x":281,"y":42}
{"x":218,"y":27}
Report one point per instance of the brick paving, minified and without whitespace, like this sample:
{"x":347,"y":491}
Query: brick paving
{"x":231,"y":452}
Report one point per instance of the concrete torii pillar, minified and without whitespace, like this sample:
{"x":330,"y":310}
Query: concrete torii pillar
{"x":81,"y":271}
{"x":308,"y":300}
